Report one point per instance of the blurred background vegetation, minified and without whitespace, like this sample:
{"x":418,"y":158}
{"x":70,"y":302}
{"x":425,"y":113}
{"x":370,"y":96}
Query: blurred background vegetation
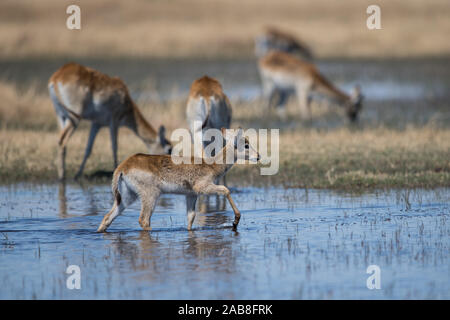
{"x":212,"y":28}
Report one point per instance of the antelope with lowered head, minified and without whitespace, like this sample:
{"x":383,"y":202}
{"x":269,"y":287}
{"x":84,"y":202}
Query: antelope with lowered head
{"x":79,"y":92}
{"x":275,"y":39}
{"x":207,"y":108}
{"x":283,"y":73}
{"x":147,"y":176}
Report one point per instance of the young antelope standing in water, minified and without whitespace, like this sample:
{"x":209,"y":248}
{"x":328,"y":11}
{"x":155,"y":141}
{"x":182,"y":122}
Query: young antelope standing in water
{"x":148,"y":176}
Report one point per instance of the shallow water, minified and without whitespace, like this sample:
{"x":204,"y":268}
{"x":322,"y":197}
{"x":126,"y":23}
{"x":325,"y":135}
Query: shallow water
{"x":290,"y":244}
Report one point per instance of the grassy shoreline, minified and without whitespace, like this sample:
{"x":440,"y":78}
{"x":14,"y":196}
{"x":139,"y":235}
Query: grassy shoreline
{"x":396,"y":144}
{"x":413,"y":158}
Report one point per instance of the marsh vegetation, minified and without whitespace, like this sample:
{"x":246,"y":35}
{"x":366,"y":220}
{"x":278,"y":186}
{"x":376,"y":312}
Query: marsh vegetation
{"x":401,"y":140}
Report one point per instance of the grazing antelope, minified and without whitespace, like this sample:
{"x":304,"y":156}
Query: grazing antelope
{"x":275,"y":39}
{"x":79,"y":92}
{"x":284,"y":73}
{"x":147,"y":176}
{"x":207,"y":108}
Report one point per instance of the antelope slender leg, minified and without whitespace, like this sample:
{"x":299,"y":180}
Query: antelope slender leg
{"x":67,"y":130}
{"x":148,"y":203}
{"x":114,"y":130}
{"x":283,"y":98}
{"x":237,"y":214}
{"x":110,"y":216}
{"x":92,"y":134}
{"x":190,"y":209}
{"x":66,"y":133}
{"x":203,"y":203}
{"x":280,"y":103}
{"x":273,"y":99}
{"x":303,"y":94}
{"x":215,"y":189}
{"x":127,"y":197}
{"x":70,"y":129}
{"x":269,"y":92}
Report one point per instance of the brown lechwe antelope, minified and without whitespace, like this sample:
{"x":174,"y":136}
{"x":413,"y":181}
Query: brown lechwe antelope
{"x":283,"y":73}
{"x":207,"y":108}
{"x":275,"y":39}
{"x":147,"y":176}
{"x":79,"y":92}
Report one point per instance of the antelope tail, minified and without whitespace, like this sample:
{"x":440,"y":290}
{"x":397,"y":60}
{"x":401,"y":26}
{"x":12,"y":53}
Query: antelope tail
{"x":115,"y":187}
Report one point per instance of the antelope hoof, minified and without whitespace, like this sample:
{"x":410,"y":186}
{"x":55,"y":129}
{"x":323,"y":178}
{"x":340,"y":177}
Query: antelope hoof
{"x":235,"y":223}
{"x":102,"y":228}
{"x":146,"y":227}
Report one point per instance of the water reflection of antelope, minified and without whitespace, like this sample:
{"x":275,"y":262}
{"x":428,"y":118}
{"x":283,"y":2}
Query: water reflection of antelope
{"x":211,"y":211}
{"x":89,"y":207}
{"x":216,"y":247}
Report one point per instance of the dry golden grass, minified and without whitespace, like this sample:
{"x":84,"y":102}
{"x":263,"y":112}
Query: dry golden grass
{"x":345,"y":158}
{"x":342,"y":158}
{"x":30,"y":155}
{"x":338,"y":159}
{"x":25,"y":109}
{"x":181,"y":28}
